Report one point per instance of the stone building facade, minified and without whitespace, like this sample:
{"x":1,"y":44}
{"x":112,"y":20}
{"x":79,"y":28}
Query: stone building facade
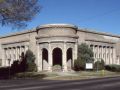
{"x":56,"y":44}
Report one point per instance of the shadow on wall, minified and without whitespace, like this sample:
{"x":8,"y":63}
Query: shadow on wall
{"x":25,"y":64}
{"x":16,"y":67}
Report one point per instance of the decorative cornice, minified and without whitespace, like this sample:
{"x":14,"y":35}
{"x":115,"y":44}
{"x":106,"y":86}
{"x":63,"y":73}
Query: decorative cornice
{"x":6,"y":43}
{"x":100,"y":41}
{"x":48,"y":36}
{"x":57,"y":26}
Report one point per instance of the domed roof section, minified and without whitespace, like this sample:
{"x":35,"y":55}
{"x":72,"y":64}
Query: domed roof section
{"x":56,"y":30}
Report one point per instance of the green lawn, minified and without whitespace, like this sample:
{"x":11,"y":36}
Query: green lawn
{"x":67,"y":75}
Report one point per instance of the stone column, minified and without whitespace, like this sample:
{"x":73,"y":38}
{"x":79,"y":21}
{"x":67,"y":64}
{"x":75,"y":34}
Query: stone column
{"x":98,"y":52}
{"x":9,"y":57}
{"x":101,"y":52}
{"x":76,"y":50}
{"x":16,"y":53}
{"x":6,"y":60}
{"x":104,"y":54}
{"x":26,"y":48}
{"x":107,"y":56}
{"x":107,"y":59}
{"x":118,"y":61}
{"x":114,"y":55}
{"x":50,"y":57}
{"x":95,"y":52}
{"x":39,"y":58}
{"x":74,"y":53}
{"x":4,"y":57}
{"x":64,"y":59}
{"x":110,"y":55}
{"x":11,"y":54}
{"x":20,"y":52}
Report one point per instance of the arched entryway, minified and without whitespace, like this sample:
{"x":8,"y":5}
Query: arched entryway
{"x":69,"y":59}
{"x":44,"y":59}
{"x":57,"y":59}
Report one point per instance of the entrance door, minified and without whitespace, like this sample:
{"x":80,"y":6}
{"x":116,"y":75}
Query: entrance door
{"x":57,"y":59}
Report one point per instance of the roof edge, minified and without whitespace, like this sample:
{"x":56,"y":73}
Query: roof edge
{"x":59,"y":25}
{"x":19,"y":33}
{"x":97,"y":32}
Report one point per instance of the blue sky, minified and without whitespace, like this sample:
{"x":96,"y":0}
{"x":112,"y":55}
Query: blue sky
{"x":98,"y":15}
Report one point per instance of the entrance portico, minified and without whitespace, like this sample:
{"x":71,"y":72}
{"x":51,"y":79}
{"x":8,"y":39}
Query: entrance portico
{"x":58,"y":45}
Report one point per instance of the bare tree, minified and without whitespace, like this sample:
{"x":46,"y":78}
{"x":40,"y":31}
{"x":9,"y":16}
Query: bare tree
{"x":17,"y":13}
